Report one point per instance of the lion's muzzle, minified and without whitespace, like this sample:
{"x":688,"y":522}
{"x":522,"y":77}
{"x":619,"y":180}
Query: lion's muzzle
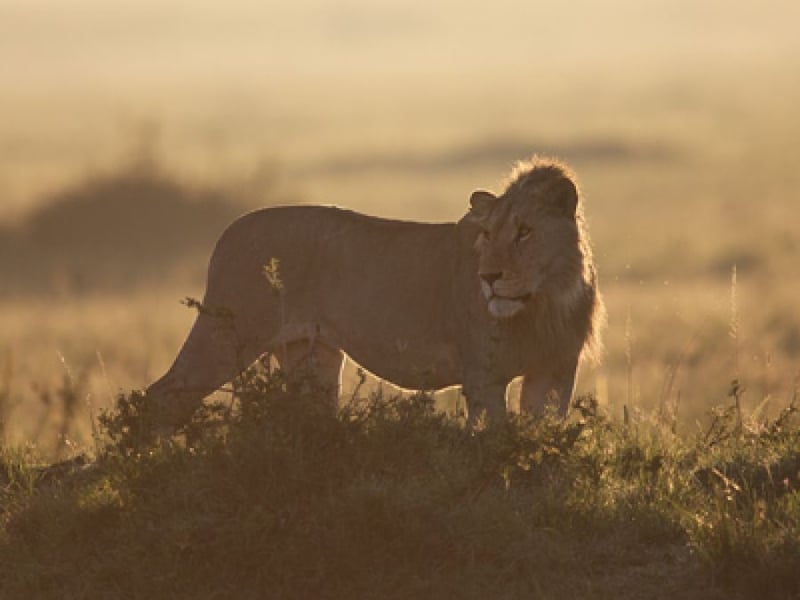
{"x":505,"y":297}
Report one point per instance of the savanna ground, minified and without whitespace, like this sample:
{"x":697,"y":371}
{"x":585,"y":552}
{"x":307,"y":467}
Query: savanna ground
{"x":686,"y":148}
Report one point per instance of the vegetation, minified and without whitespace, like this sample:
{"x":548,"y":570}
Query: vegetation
{"x":275,"y":495}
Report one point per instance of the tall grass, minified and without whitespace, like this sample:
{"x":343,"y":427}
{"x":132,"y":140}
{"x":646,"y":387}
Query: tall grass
{"x":6,"y":406}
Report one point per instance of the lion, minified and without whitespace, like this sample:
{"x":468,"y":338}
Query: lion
{"x":509,"y":290}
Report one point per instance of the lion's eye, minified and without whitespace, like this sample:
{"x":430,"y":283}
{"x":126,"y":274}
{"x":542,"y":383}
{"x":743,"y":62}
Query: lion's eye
{"x":523,"y":233}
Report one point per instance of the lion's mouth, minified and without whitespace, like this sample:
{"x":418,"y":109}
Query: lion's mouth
{"x":522,"y":298}
{"x":505,"y":307}
{"x":504,"y":303}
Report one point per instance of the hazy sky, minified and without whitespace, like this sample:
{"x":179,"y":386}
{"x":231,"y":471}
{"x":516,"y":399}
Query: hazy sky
{"x":86,"y":44}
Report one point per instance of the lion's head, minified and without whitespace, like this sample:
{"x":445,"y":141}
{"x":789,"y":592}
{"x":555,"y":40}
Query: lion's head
{"x":531,"y":242}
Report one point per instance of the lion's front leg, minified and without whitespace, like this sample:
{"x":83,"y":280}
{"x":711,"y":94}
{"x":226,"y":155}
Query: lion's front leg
{"x":543,"y":388}
{"x":485,"y":400}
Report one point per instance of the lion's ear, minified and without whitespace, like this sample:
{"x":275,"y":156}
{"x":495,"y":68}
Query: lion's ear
{"x":563,"y":196}
{"x":480,"y":205}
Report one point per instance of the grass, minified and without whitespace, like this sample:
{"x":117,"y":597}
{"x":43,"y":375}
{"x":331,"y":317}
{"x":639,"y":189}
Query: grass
{"x":274,"y":495}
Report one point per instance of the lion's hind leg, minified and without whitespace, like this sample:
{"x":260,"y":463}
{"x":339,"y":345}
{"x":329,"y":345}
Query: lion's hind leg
{"x":213,"y":354}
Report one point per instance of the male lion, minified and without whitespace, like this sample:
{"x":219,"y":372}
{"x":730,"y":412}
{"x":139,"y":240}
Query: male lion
{"x":508,"y":290}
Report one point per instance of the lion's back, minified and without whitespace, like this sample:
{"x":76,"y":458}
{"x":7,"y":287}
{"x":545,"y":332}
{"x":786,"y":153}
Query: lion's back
{"x":335,"y":257}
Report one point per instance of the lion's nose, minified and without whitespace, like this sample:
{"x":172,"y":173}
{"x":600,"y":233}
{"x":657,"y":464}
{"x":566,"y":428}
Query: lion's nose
{"x":490,"y":278}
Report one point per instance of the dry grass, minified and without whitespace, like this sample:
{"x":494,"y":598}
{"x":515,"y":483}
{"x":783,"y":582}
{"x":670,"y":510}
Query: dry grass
{"x":99,"y":345}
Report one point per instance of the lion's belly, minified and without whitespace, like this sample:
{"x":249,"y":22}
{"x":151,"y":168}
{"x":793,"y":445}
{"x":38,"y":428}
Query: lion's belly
{"x":408,"y":365}
{"x":417,"y":364}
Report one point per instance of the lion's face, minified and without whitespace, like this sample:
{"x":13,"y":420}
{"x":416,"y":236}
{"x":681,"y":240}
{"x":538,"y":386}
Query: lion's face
{"x":528,"y":245}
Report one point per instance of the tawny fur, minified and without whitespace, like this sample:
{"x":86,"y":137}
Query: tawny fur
{"x":510,"y":290}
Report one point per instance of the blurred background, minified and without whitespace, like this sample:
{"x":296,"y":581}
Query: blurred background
{"x":132,"y":132}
